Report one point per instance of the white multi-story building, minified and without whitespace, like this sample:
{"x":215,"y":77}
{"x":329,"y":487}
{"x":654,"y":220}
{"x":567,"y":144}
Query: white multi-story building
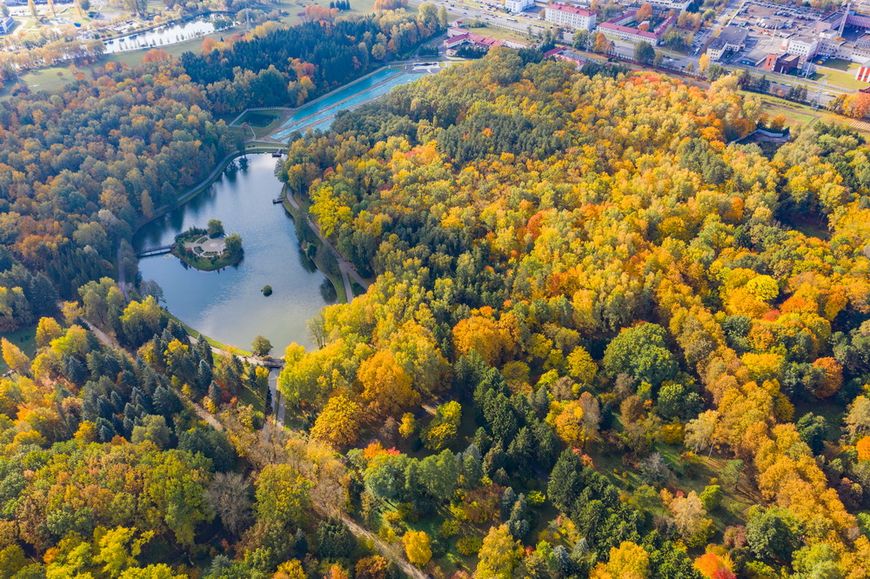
{"x":679,"y":5}
{"x":517,"y":6}
{"x":803,"y":46}
{"x":568,"y":16}
{"x":731,"y":38}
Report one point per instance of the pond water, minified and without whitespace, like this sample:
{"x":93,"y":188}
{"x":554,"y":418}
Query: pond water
{"x":228,"y":305}
{"x":163,"y":35}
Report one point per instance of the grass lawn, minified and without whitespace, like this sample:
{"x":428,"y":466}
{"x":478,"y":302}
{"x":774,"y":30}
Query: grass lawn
{"x":24,"y":338}
{"x":498,"y":33}
{"x":688,"y":476}
{"x":798,"y":114}
{"x":842,"y":78}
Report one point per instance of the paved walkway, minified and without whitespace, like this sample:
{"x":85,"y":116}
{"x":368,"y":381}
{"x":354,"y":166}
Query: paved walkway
{"x":344,"y":266}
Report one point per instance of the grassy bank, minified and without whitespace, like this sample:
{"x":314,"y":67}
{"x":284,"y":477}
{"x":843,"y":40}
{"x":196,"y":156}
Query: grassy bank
{"x":323,"y":258}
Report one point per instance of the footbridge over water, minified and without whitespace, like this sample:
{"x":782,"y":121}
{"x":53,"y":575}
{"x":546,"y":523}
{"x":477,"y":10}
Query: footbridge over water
{"x":154,"y":251}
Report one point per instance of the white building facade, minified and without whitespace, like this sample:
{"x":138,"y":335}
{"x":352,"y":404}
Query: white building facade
{"x":567,"y":16}
{"x":517,"y":6}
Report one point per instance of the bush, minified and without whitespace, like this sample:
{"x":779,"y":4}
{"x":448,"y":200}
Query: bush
{"x":469,"y":546}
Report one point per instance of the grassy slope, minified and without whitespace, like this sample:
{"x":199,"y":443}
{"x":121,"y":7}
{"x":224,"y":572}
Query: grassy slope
{"x":24,"y":338}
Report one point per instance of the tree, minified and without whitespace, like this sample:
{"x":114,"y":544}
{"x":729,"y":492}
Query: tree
{"x":291,"y":569}
{"x":119,"y":549}
{"x":813,"y":429}
{"x":644,"y":12}
{"x":338,"y":422}
{"x":628,"y":561}
{"x":703,"y":63}
{"x":230,"y":496}
{"x":857,"y":419}
{"x":581,"y":366}
{"x":602,"y":45}
{"x":233,"y":244}
{"x":499,"y":554}
{"x":153,"y":429}
{"x":283,"y":496}
{"x":417,"y":547}
{"x":14,"y":357}
{"x":644,"y":52}
{"x":175,"y":486}
{"x":830,"y":378}
{"x":261,"y":346}
{"x":690,"y":518}
{"x":47,"y":330}
{"x":386,"y":385}
{"x":641,"y":352}
{"x":333,"y":539}
{"x":215,"y":228}
{"x":772,"y":533}
{"x":408,"y":425}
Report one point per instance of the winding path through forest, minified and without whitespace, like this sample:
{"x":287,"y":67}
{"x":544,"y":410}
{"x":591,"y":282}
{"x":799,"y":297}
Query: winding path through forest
{"x":391,"y":552}
{"x":384,"y":548}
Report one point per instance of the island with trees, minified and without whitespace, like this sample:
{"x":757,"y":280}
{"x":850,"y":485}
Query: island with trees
{"x":208,"y":249}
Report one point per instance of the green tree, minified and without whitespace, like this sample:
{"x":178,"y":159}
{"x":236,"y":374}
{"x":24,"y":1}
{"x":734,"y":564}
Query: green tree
{"x":175,"y":485}
{"x":642,"y":353}
{"x":283,"y":496}
{"x":772,"y":534}
{"x":644,"y":52}
{"x":215,"y":228}
{"x":261,"y":346}
{"x":154,"y":429}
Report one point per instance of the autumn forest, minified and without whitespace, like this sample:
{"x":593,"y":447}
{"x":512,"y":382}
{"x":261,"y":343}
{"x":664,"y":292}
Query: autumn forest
{"x":602,"y":337}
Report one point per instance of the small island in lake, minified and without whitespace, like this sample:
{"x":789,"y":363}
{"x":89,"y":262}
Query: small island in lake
{"x":208,"y":249}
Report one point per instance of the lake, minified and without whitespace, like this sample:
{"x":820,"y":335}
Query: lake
{"x":164,"y":35}
{"x":228,"y":305}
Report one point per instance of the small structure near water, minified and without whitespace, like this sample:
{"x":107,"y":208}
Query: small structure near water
{"x":208,"y":249}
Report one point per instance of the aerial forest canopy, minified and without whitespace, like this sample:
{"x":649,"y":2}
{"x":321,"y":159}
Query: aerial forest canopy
{"x":604,"y":339}
{"x":288,"y":66}
{"x":594,"y":269}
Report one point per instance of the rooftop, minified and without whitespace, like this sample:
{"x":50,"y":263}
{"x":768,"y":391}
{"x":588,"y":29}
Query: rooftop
{"x":570,"y":8}
{"x":729,"y":35}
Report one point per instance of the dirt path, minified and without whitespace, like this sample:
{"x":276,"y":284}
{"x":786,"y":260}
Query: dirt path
{"x":389,"y":551}
{"x":344,"y":266}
